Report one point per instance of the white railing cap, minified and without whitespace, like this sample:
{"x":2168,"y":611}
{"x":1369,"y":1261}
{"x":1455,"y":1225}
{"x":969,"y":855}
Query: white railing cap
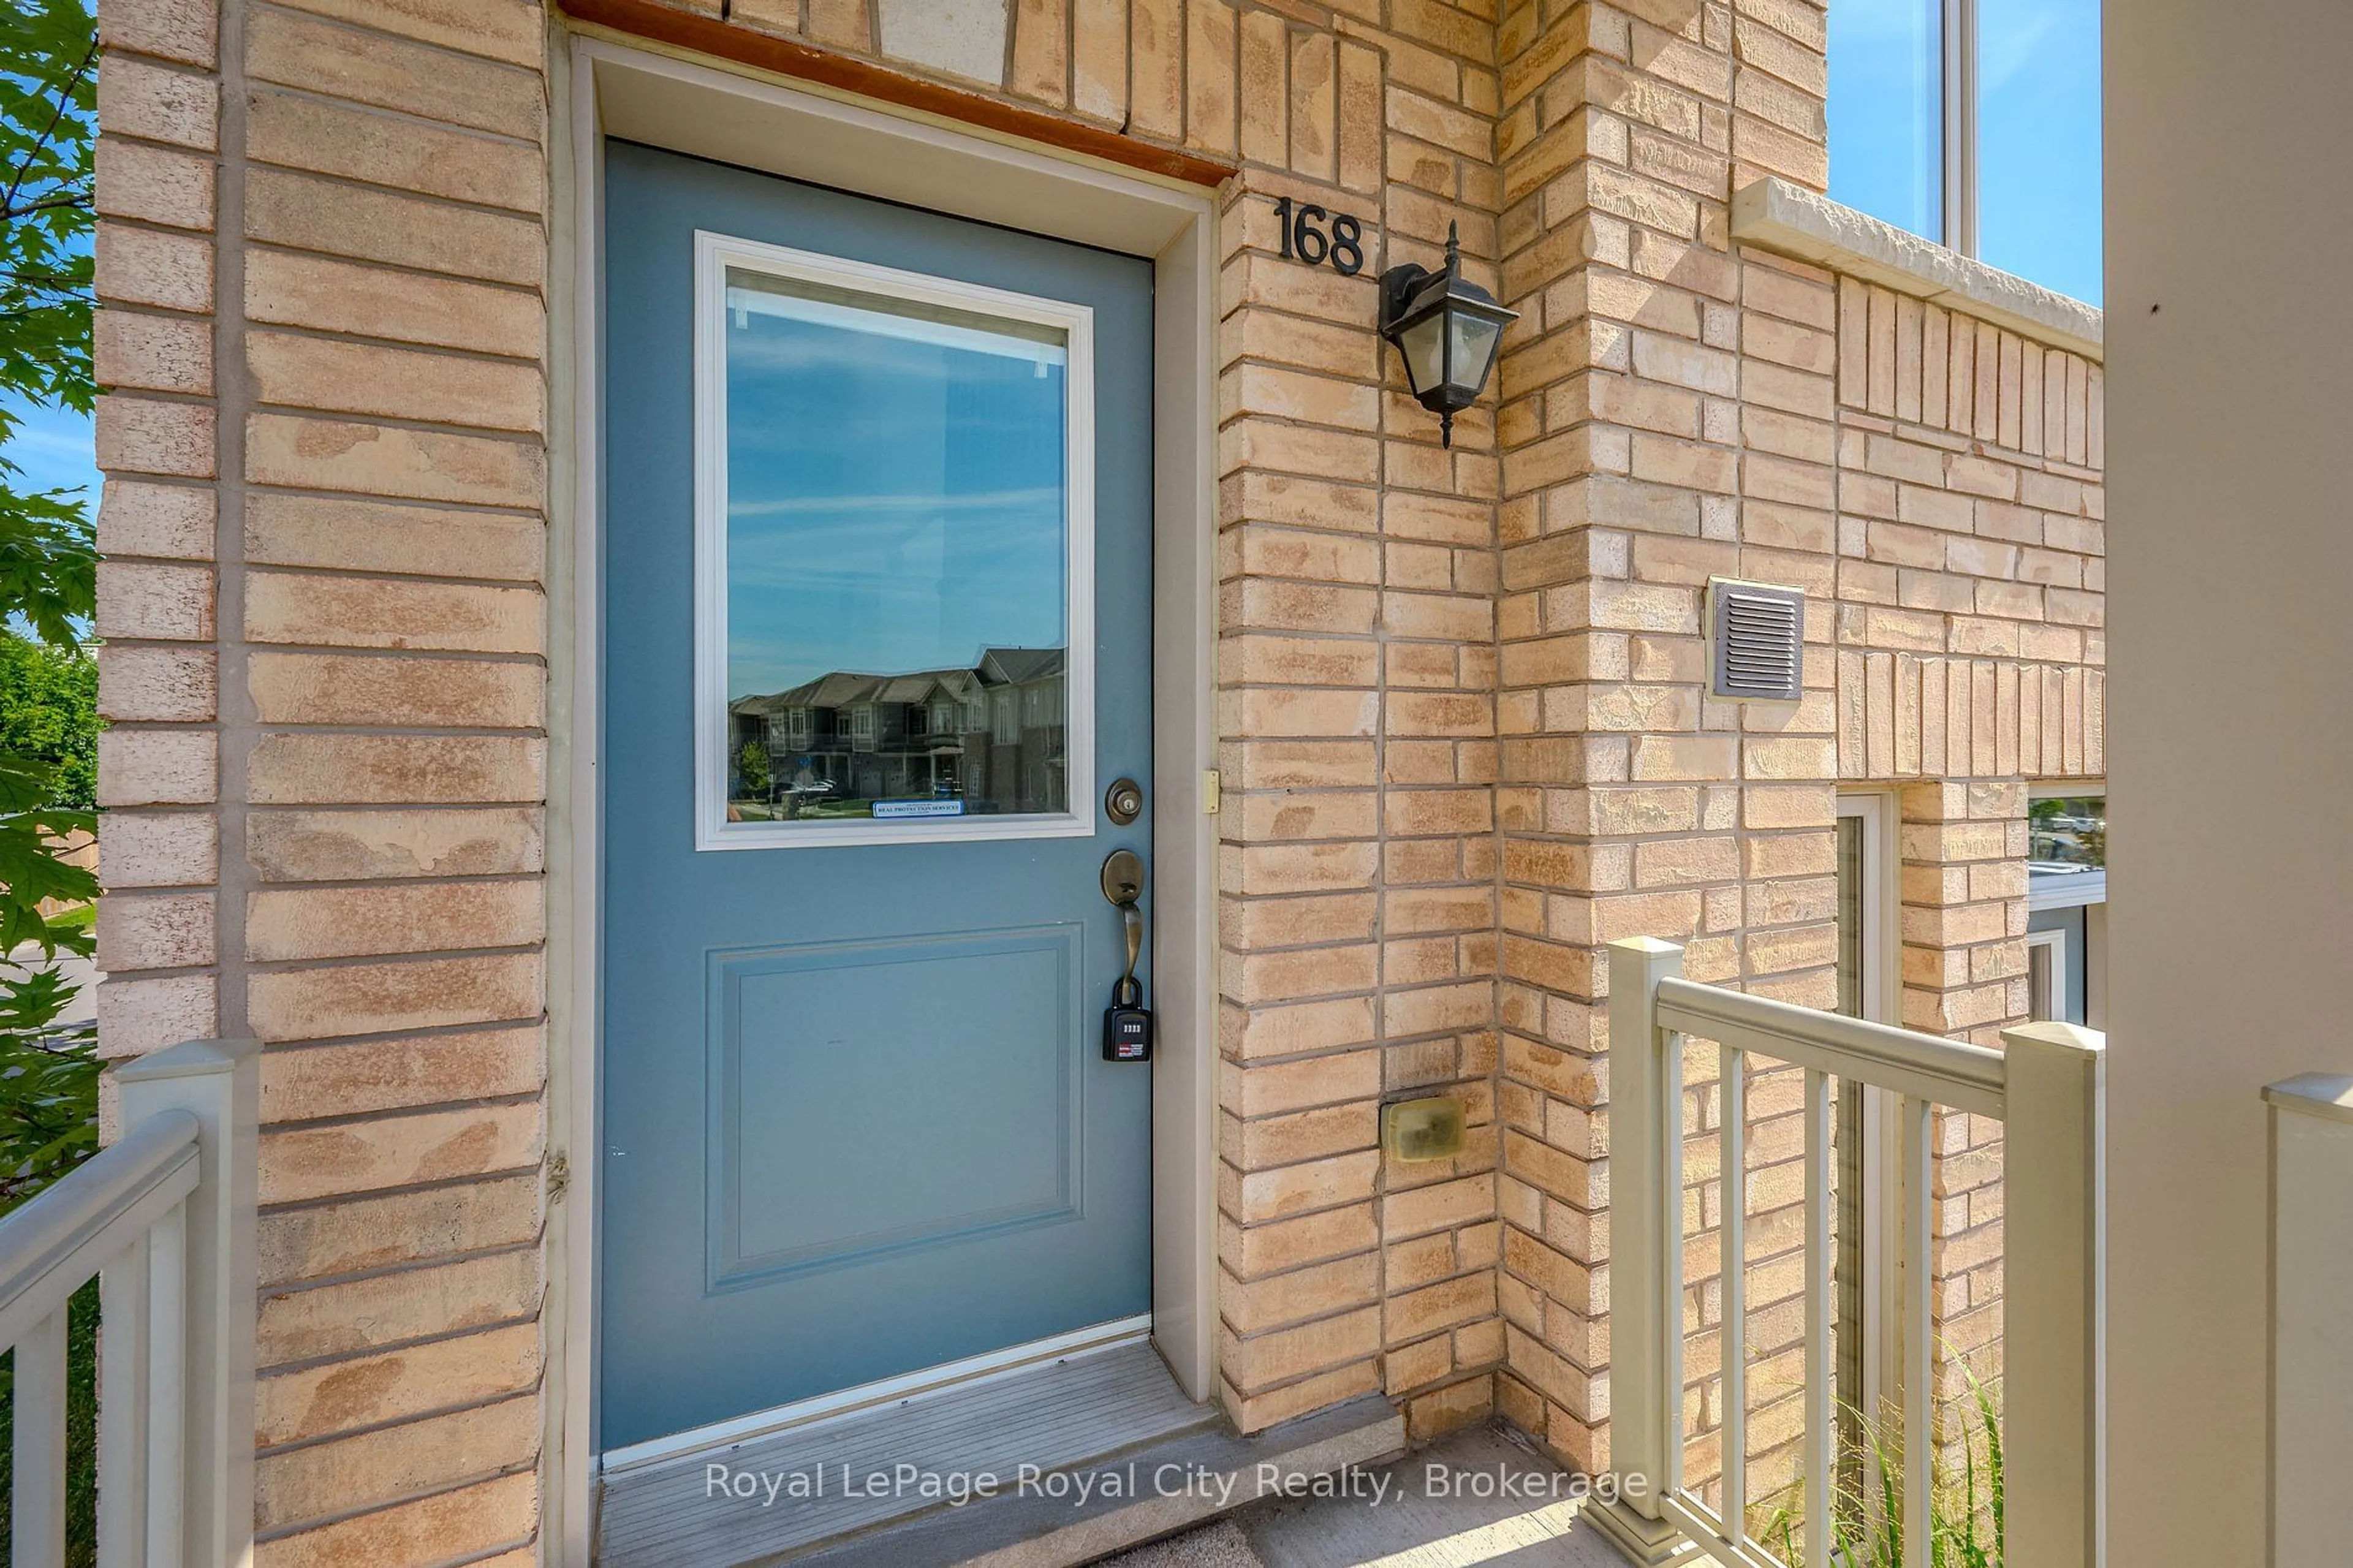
{"x":189,"y":1059}
{"x":2327,"y":1094}
{"x":2051,"y":1032}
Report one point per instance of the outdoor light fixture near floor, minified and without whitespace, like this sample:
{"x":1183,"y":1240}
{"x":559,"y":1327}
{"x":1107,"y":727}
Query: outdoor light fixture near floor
{"x":1446,"y":330}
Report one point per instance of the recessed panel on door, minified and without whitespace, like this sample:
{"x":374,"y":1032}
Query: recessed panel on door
{"x":979,"y":1066}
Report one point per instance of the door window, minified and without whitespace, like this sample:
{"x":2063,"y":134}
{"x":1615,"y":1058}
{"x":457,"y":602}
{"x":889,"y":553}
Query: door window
{"x":894,"y":526}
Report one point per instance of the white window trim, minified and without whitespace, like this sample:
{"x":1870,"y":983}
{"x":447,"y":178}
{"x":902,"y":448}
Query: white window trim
{"x":2056,"y":940}
{"x":1882,"y":1206}
{"x":1959,"y":58}
{"x":2095,"y":967}
{"x":714,"y":255}
{"x":2066,"y":890}
{"x":1882,"y":935}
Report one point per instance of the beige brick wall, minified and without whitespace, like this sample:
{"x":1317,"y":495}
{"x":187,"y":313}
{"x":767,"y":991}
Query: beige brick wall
{"x":1357,"y":581}
{"x":1675,"y":406}
{"x":325,"y":619}
{"x":1463,"y":732}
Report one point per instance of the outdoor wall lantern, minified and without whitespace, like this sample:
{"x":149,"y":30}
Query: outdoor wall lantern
{"x":1446,"y":332}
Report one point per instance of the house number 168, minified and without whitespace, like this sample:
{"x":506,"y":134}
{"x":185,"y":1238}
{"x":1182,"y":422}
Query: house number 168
{"x":1303,"y":238}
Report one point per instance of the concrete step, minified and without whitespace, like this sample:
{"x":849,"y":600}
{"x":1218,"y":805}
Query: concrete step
{"x":1089,"y":1511}
{"x":1481,"y":1497}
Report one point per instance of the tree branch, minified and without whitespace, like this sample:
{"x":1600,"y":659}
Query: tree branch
{"x":46,"y":203}
{"x":48,"y":133}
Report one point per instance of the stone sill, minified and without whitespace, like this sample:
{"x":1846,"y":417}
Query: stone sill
{"x":1777,"y":215}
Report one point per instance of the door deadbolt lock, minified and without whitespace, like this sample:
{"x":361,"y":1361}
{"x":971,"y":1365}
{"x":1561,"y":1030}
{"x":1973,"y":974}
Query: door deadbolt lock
{"x":1124,"y":802}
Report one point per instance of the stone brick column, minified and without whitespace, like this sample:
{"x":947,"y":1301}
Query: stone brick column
{"x":358,"y":496}
{"x":1632,"y":472}
{"x":1356,"y":567}
{"x":159,"y":97}
{"x":1964,"y":923}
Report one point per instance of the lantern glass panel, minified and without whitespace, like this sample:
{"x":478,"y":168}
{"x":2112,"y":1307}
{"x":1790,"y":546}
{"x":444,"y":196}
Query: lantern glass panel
{"x":1474,"y":347}
{"x":1424,"y":346}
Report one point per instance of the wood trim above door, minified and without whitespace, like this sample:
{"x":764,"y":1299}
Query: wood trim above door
{"x":707,"y":35}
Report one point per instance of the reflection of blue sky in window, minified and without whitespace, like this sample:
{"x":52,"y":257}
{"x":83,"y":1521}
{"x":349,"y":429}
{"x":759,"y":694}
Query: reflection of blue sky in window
{"x":895,"y":497}
{"x":2039,"y":141}
{"x":2037,"y":128}
{"x":1884,"y":119}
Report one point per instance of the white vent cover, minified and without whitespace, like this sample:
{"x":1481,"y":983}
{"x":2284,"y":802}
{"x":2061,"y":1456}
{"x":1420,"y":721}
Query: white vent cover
{"x":1755,"y":641}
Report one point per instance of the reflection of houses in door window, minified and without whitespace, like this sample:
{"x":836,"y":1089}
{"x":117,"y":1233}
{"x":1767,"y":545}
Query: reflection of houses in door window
{"x":991,"y":735}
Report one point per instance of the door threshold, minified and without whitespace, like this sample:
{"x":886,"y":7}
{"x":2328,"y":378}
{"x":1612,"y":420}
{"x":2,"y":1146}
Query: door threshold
{"x":828,"y":1480}
{"x":902,"y":1389}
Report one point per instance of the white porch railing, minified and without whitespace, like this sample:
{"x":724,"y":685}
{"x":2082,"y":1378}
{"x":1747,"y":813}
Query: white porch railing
{"x":164,"y":1220}
{"x":2048,"y":1087}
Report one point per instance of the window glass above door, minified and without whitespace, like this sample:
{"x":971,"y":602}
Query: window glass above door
{"x":2038,"y":156}
{"x":895,"y":502}
{"x":1886,"y":111}
{"x":1974,"y":123}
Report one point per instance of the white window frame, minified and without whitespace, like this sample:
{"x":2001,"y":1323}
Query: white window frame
{"x":1959,"y":60}
{"x":2085,"y":889}
{"x":2056,"y":968}
{"x":714,"y":254}
{"x":1882,"y":994}
{"x":1882,"y":935}
{"x":2066,"y":891}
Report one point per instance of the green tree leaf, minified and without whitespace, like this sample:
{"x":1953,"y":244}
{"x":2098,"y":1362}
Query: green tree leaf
{"x":48,"y":723}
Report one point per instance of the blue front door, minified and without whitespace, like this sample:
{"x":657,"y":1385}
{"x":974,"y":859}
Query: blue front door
{"x":877,"y":627}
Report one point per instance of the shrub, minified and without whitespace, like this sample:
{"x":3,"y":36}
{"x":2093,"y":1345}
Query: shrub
{"x":1964,"y":1522}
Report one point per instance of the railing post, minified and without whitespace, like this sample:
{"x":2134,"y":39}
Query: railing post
{"x":220,"y":1082}
{"x":2311,"y":1507}
{"x":2054,"y":1276}
{"x":1642,"y":1421}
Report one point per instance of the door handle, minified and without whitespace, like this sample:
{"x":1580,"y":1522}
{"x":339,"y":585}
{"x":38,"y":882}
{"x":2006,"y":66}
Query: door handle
{"x":1122,"y":885}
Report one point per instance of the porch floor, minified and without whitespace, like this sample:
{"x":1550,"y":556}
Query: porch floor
{"x":1092,"y":1454}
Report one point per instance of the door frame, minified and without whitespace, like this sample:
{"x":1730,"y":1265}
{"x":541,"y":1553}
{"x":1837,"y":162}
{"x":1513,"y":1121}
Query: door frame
{"x":605,"y":85}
